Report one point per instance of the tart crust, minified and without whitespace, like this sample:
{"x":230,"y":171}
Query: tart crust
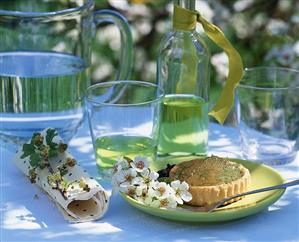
{"x":212,"y":179}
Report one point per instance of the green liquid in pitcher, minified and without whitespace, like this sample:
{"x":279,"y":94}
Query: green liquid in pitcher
{"x":109,"y":148}
{"x":184,"y":126}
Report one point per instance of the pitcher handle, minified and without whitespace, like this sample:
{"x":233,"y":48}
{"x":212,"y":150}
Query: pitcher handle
{"x":126,"y":57}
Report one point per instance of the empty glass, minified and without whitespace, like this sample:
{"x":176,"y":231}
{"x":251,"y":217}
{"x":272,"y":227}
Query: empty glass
{"x":268,"y":114}
{"x":124,"y":121}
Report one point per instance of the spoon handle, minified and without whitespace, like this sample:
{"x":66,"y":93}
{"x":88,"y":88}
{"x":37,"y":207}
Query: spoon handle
{"x":284,"y":185}
{"x":265,"y":189}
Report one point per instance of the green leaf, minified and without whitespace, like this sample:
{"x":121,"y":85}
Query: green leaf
{"x":34,"y":160}
{"x":53,"y":153}
{"x":53,"y":145}
{"x":63,"y":172}
{"x":28,"y":149}
{"x":50,"y":134}
{"x":167,"y":180}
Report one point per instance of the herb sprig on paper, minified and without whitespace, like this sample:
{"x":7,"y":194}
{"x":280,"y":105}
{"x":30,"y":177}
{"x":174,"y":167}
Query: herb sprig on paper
{"x":40,"y":150}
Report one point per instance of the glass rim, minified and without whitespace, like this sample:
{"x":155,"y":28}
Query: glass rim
{"x":134,"y":82}
{"x":274,"y":68}
{"x":20,"y":14}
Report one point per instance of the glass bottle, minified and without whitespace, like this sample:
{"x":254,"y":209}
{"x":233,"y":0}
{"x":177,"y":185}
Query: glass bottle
{"x":183,"y":73}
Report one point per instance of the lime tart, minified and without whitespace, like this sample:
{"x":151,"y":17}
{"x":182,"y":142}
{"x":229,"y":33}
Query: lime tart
{"x":212,"y":179}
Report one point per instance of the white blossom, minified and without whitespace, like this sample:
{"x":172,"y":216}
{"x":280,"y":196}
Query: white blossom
{"x":123,"y":162}
{"x":126,"y":175}
{"x":149,"y":176}
{"x":136,"y":180}
{"x":115,"y":185}
{"x":116,"y":168}
{"x":141,"y":186}
{"x":140,"y":163}
{"x":296,"y":48}
{"x":160,"y":190}
{"x":167,"y":202}
{"x":283,"y":55}
{"x":148,"y":199}
{"x":277,"y":27}
{"x":128,"y":189}
{"x":220,"y":62}
{"x":242,"y":5}
{"x":181,"y":191}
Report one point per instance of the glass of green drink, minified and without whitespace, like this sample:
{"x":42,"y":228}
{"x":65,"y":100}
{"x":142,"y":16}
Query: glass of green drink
{"x":124,"y":121}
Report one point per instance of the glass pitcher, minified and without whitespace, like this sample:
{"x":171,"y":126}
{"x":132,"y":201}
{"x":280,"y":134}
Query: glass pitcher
{"x":45,"y":59}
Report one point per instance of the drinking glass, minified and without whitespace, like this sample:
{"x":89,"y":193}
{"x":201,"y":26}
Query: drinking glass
{"x":124,"y":121}
{"x":45,"y":59}
{"x":268,"y":114}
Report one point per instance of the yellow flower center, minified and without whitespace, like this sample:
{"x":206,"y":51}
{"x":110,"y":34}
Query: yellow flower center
{"x":164,"y":202}
{"x":178,"y":192}
{"x":140,"y":165}
{"x":130,"y":192}
{"x":162,"y":190}
{"x":128,"y":177}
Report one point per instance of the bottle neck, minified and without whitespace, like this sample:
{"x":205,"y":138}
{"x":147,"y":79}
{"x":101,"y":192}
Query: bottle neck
{"x":188,"y":4}
{"x":181,"y":18}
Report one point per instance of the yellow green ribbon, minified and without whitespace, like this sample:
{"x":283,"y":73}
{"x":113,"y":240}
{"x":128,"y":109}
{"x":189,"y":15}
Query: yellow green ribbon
{"x":185,"y":19}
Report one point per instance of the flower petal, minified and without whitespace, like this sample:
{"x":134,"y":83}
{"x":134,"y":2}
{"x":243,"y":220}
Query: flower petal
{"x":153,"y":184}
{"x":119,"y":176}
{"x":186,"y":196}
{"x":132,"y":172}
{"x":175,"y":184}
{"x":142,"y":159}
{"x":155,"y":203}
{"x":153,"y":175}
{"x":151,"y":192}
{"x":139,"y":190}
{"x":138,"y":198}
{"x":148,"y":200}
{"x":124,"y":185}
{"x":179,"y":200}
{"x":184,"y":186}
{"x":123,"y":162}
{"x":172,"y":202}
{"x":145,"y":173}
{"x":137,"y":180}
{"x":115,"y":187}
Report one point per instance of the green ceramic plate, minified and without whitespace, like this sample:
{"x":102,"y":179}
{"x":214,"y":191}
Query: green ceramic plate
{"x":261,"y":176}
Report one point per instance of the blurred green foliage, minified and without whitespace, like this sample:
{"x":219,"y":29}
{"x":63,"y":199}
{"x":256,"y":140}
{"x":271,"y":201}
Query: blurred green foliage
{"x":265,"y":32}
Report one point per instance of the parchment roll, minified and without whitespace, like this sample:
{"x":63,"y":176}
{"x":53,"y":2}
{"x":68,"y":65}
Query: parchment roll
{"x":77,"y":195}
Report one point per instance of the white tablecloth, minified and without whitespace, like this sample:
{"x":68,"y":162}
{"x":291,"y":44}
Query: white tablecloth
{"x":28,"y":215}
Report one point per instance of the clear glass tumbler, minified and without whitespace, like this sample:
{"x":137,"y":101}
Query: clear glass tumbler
{"x":268,"y":114}
{"x":124,"y":121}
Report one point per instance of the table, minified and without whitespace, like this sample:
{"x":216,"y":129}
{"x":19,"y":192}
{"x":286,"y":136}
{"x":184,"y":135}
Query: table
{"x":28,"y":215}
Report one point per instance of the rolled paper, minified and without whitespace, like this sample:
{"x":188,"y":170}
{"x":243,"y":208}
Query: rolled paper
{"x":78,"y":196}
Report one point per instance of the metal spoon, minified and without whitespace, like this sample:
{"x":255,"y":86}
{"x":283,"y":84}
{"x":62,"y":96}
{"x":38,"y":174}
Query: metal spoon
{"x":213,"y":206}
